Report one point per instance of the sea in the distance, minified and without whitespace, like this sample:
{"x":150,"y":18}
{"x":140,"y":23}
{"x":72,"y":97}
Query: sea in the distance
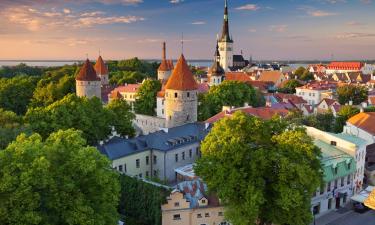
{"x":40,"y":63}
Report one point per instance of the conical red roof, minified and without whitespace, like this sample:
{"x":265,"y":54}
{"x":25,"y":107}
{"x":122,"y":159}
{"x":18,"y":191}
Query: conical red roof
{"x":100,"y":67}
{"x":164,"y":66}
{"x":87,"y":72}
{"x":181,"y":79}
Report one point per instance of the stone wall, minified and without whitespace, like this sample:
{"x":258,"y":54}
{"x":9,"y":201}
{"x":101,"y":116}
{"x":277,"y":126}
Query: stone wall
{"x":180,"y":107}
{"x":88,"y":89}
{"x":147,"y":124}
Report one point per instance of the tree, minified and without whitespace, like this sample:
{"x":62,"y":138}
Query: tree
{"x":140,"y":202}
{"x":16,"y":93}
{"x":56,"y":181}
{"x":228,"y":93}
{"x":343,"y":115}
{"x":126,"y":77}
{"x":299,"y":71}
{"x":260,"y":170}
{"x":11,"y":125}
{"x":20,"y":69}
{"x":145,"y":102}
{"x":87,"y":115}
{"x":356,"y":94}
{"x":306,"y":76}
{"x":290,"y":87}
{"x":123,"y":117}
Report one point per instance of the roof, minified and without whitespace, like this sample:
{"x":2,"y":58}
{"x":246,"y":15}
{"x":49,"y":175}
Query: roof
{"x":181,"y":79}
{"x":308,"y":108}
{"x":290,"y":97}
{"x":350,"y":138}
{"x":100,"y":67}
{"x":273,"y":76}
{"x":194,"y":191}
{"x":364,"y":121}
{"x":261,"y":112}
{"x":176,"y":137}
{"x":225,"y":37}
{"x":203,"y":88}
{"x":128,"y":88}
{"x":328,"y":101}
{"x":333,"y":157}
{"x":163,"y":66}
{"x":87,"y":72}
{"x":216,"y":69}
{"x":186,"y":171}
{"x":319,"y":86}
{"x":237,"y":76}
{"x":345,"y":65}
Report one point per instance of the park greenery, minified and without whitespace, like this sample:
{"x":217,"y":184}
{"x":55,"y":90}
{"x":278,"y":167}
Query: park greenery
{"x":140,"y":202}
{"x":262,"y":172}
{"x":356,"y":94}
{"x":228,"y":93}
{"x":59,"y":180}
{"x":11,"y":125}
{"x":145,"y":102}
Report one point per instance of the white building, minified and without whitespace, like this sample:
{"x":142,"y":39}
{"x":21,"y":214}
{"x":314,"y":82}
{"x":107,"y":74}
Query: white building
{"x":315,"y":92}
{"x":226,"y":43}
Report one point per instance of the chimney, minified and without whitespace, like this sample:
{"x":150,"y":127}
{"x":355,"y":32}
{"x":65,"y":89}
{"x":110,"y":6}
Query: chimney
{"x":226,"y":108}
{"x":350,"y":102}
{"x":164,"y":56}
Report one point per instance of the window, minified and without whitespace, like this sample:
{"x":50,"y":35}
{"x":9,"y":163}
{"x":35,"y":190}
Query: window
{"x":336,"y":181}
{"x":197,"y":151}
{"x":176,"y":217}
{"x":176,"y":157}
{"x":330,"y":203}
{"x":162,"y":111}
{"x":140,"y":175}
{"x":348,"y":180}
{"x":342,"y":181}
{"x":155,"y":159}
{"x":125,"y":168}
{"x":176,"y":204}
{"x":155,"y":173}
{"x":199,"y":215}
{"x":175,"y":95}
{"x":137,"y":163}
{"x":336,"y":170}
{"x":120,"y":168}
{"x":329,"y":186}
{"x":183,"y":155}
{"x":207,"y":215}
{"x":322,"y":190}
{"x":190,"y":153}
{"x":147,"y":160}
{"x":220,"y":214}
{"x":333,"y":143}
{"x":349,"y":165}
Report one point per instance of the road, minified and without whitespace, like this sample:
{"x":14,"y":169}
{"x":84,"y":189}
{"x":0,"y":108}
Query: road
{"x":353,"y":218}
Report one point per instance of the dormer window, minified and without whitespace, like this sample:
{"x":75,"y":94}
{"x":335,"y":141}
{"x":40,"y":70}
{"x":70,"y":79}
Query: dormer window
{"x":176,"y":204}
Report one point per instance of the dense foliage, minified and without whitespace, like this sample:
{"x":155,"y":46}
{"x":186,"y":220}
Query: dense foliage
{"x":262,"y":172}
{"x":302,"y":73}
{"x":56,"y":181}
{"x":290,"y":87}
{"x":145,"y":102}
{"x":21,"y":69}
{"x":141,"y":202}
{"x":123,"y":117}
{"x":16,"y":93}
{"x":228,"y":93}
{"x":357,"y":94}
{"x":343,"y":115}
{"x":87,"y":115}
{"x":54,"y":85}
{"x":11,"y":125}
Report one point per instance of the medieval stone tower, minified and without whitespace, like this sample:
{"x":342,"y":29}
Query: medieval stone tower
{"x":181,"y":96}
{"x":226,"y":43}
{"x":88,"y":84}
{"x":165,"y":68}
{"x":216,"y":73}
{"x":102,"y":71}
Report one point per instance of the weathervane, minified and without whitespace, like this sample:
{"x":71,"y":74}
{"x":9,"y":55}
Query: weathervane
{"x":182,"y":43}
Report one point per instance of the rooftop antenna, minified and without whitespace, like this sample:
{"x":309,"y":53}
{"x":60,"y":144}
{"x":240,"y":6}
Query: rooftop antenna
{"x":99,"y":51}
{"x":182,"y":43}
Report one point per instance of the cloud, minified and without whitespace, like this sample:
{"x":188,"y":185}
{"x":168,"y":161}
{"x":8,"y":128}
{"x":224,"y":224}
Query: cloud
{"x":91,"y":21}
{"x":354,"y":23}
{"x":252,"y":30}
{"x":355,"y":35}
{"x":366,"y":1}
{"x":335,"y":1}
{"x":278,"y":28}
{"x":123,"y":2}
{"x":94,"y":13}
{"x":198,"y":23}
{"x":249,"y":7}
{"x":66,"y":11}
{"x":176,"y":1}
{"x":321,"y":13}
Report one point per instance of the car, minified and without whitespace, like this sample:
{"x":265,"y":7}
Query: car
{"x":360,"y":207}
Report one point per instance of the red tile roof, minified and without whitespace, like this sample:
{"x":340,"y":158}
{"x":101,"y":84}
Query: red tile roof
{"x":100,"y":67}
{"x":328,"y":101}
{"x":203,"y":88}
{"x":294,"y":99}
{"x":181,"y":79}
{"x":237,"y":76}
{"x":272,"y":76}
{"x":364,"y":121}
{"x":129,"y":88}
{"x":164,"y":66}
{"x":345,"y":66}
{"x":323,"y":85}
{"x":87,"y":72}
{"x":261,"y":112}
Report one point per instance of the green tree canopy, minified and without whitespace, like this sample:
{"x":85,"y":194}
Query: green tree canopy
{"x":16,"y":93}
{"x":20,"y":69}
{"x":303,"y":74}
{"x":126,"y":77}
{"x":123,"y":117}
{"x":290,"y":86}
{"x":11,"y":125}
{"x":261,"y":171}
{"x":56,"y":181}
{"x":357,"y":94}
{"x":228,"y":93}
{"x":343,"y":115}
{"x":145,"y":102}
{"x":87,"y":115}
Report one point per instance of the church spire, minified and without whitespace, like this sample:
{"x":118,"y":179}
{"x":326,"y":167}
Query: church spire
{"x":225,"y":37}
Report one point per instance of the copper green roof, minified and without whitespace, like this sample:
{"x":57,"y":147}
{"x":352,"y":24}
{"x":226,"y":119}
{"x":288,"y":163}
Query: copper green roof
{"x":332,"y":157}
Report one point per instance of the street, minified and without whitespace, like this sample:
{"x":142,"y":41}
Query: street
{"x":348,"y":218}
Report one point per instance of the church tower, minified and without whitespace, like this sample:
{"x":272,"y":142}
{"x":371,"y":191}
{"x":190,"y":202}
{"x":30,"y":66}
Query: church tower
{"x":165,"y":68}
{"x":181,"y":96}
{"x":226,"y":43}
{"x":216,"y":73}
{"x":88,"y":84}
{"x":102,"y":71}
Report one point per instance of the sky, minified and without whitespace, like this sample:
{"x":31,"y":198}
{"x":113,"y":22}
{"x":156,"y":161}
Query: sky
{"x":265,"y":29}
